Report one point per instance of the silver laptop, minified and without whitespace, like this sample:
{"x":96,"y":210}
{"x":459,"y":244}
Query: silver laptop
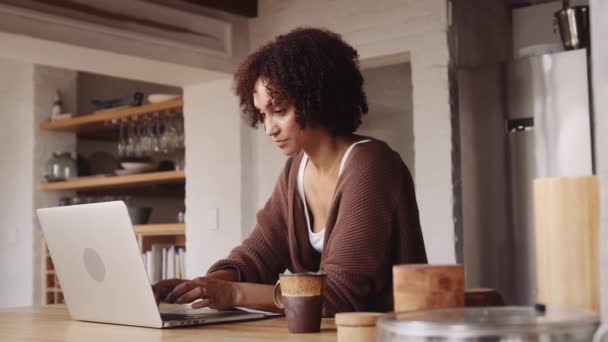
{"x":101,"y":271}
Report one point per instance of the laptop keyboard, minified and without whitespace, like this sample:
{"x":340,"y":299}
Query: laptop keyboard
{"x":181,"y":317}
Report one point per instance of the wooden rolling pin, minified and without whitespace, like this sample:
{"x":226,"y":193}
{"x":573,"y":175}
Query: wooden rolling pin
{"x":566,"y":218}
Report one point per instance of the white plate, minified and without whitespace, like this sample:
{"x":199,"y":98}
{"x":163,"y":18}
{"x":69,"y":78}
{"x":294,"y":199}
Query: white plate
{"x":123,"y":172}
{"x":139,"y":167}
{"x":155,"y":98}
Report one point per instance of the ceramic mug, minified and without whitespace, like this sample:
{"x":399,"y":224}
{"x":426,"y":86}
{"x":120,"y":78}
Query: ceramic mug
{"x":301,"y":295}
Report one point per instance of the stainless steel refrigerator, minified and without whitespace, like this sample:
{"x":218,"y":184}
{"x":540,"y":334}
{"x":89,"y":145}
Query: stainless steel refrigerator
{"x":548,"y":123}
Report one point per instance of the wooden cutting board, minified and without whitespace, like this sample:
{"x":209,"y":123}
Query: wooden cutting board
{"x":566,"y":218}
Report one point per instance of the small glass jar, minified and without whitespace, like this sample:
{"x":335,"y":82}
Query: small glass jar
{"x":181,"y":217}
{"x":61,"y":166}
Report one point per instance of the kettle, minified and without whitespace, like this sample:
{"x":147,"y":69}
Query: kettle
{"x":573,"y":25}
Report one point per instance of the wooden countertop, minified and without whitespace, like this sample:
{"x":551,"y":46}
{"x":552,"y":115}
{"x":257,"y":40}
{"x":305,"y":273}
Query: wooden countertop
{"x":52,"y":323}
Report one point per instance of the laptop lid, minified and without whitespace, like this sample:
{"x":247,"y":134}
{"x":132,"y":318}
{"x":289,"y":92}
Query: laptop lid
{"x":98,"y":264}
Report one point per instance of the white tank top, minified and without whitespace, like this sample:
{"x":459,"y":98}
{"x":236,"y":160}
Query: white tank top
{"x":316,"y":239}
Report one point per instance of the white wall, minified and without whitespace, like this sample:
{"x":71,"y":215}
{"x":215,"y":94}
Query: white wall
{"x":26,"y":94}
{"x":389,"y":95}
{"x":46,"y":81}
{"x":599,"y":60}
{"x":61,"y":55}
{"x":16,"y":241}
{"x":213,"y":168}
{"x":379,"y":29}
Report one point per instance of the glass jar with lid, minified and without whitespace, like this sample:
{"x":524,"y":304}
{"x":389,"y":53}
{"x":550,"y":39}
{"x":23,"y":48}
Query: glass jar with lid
{"x":508,"y":323}
{"x":61,"y":166}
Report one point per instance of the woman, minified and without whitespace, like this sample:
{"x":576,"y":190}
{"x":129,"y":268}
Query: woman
{"x":343,"y":205}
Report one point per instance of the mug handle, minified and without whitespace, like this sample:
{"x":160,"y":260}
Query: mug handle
{"x":277,"y":296}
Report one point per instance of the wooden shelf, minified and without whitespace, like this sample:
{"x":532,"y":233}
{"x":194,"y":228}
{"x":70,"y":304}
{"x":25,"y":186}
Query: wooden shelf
{"x":95,"y":121}
{"x":160,"y":229}
{"x":99,"y":182}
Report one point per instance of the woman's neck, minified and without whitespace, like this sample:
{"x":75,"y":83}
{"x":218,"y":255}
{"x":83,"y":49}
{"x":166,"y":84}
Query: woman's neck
{"x":325,"y":151}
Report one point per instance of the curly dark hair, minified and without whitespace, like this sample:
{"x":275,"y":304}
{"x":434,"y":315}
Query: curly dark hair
{"x":313,"y":69}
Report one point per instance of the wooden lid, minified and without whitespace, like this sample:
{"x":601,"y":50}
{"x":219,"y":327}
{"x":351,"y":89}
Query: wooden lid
{"x":358,"y":318}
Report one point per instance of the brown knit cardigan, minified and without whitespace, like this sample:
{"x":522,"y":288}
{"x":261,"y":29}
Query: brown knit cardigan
{"x":373,"y":224}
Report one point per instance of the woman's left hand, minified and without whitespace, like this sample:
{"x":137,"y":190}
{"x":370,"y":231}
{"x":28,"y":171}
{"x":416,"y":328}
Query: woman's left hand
{"x":215,"y":293}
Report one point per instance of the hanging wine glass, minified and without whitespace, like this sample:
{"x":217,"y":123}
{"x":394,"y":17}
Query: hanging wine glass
{"x":122,"y":142}
{"x":180,"y":132}
{"x":157,"y":132}
{"x":137,"y":149}
{"x":145,"y":141}
{"x":131,"y":143}
{"x":165,"y":138}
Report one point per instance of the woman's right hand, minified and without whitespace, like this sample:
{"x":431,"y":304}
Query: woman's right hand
{"x":164,"y":287}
